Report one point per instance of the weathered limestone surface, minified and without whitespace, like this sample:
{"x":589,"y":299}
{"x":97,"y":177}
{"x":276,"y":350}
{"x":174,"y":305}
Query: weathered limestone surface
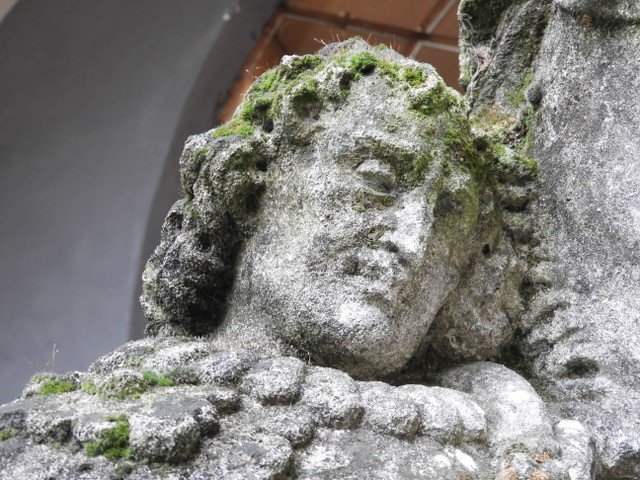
{"x":372,"y":277}
{"x":320,"y":424}
{"x":579,"y":77}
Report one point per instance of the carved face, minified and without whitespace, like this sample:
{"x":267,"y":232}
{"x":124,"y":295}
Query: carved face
{"x":364,"y":220}
{"x":348,"y":263}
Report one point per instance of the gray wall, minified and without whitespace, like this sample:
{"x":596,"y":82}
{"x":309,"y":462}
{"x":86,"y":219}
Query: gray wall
{"x":96,"y":100}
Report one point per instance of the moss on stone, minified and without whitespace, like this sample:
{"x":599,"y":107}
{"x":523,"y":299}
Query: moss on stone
{"x":517,"y":97}
{"x":375,"y":201}
{"x":494,"y":121}
{"x":510,"y":166}
{"x":56,"y":387}
{"x":121,"y":388}
{"x":305,"y":62}
{"x":133,"y":361}
{"x":201,"y":154}
{"x":113,"y":442}
{"x":273,"y":79}
{"x":89,"y":387}
{"x":269,"y":80}
{"x":153,"y":379}
{"x":362,"y":63}
{"x":262,"y":102}
{"x":434,"y":100}
{"x":7,"y":433}
{"x":420,"y":166}
{"x":306,"y":91}
{"x":527,"y":126}
{"x":42,"y":377}
{"x":235,"y":126}
{"x":388,"y":68}
{"x":413,"y":76}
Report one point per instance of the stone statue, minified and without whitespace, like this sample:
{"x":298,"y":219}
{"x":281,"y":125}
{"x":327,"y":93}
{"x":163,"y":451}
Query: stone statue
{"x":351,"y":221}
{"x":371,"y":276}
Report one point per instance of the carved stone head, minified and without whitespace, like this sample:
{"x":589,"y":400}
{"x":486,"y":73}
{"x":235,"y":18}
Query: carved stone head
{"x":330,"y":218}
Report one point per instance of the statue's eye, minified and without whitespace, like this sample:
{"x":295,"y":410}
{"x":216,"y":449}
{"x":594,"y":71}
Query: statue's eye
{"x":377,"y":174}
{"x":372,"y":198}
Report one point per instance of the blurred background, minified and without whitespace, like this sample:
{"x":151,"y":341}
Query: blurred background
{"x":96,"y":101}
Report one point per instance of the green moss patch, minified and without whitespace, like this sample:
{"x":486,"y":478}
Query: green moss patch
{"x":413,"y":76}
{"x":262,"y":102}
{"x":517,"y":97}
{"x":113,"y":442}
{"x":154,"y":380}
{"x":362,"y":63}
{"x":122,"y":387}
{"x":390,"y":69}
{"x":269,"y":80}
{"x":235,"y":126}
{"x":434,"y":100}
{"x":56,"y":387}
{"x":305,"y":62}
{"x":89,"y":387}
{"x":7,"y":433}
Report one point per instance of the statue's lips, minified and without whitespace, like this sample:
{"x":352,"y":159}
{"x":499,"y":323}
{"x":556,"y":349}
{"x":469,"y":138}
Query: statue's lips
{"x":373,"y":271}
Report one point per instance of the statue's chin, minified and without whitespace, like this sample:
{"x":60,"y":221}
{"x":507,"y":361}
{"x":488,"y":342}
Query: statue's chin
{"x":362,"y":340}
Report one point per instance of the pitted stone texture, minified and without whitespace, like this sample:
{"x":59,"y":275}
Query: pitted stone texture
{"x":121,"y":383}
{"x":208,"y":418}
{"x":447,"y":415}
{"x":157,"y":439}
{"x":339,"y":428}
{"x":490,"y":290}
{"x":515,"y":413}
{"x":580,"y":339}
{"x":41,"y":462}
{"x":131,"y":354}
{"x":578,"y":448}
{"x":388,"y":410}
{"x":295,"y":423}
{"x":362,"y":454}
{"x":275,"y":380}
{"x":611,"y":10}
{"x":224,"y":367}
{"x":225,"y":400}
{"x":333,"y":397}
{"x":42,"y":426}
{"x":90,"y":429}
{"x":174,"y":402}
{"x":13,"y":417}
{"x":238,"y":456}
{"x":167,"y":360}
